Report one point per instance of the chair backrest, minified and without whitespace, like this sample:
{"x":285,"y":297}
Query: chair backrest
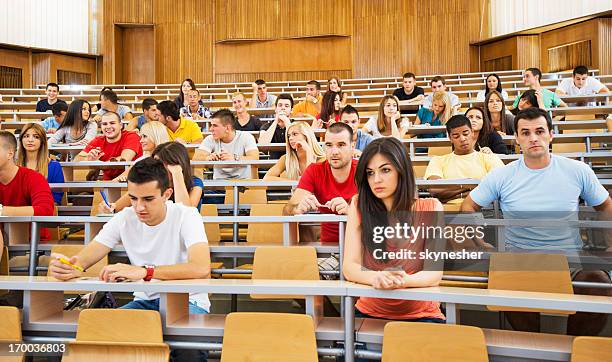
{"x":97,"y":199}
{"x":71,"y":250}
{"x":116,"y":352}
{"x":568,"y":147}
{"x":433,"y":342}
{"x":439,"y":151}
{"x":213,"y":233}
{"x":11,"y":324}
{"x":251,"y":195}
{"x":269,"y":337}
{"x":419,"y":170}
{"x":265,"y":233}
{"x":592,"y":349}
{"x":119,"y":325}
{"x":530,"y":272}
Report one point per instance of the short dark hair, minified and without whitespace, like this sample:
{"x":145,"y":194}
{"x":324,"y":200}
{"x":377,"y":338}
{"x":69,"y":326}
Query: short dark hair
{"x":284,"y":96}
{"x":456,"y":121}
{"x":147,"y":103}
{"x":110,"y":95}
{"x":168,"y":109}
{"x":437,"y":78}
{"x":226,"y":117}
{"x":260,"y":82}
{"x":338,"y":127}
{"x":315,"y":83}
{"x":581,"y":69}
{"x":147,"y":170}
{"x":531,"y":114}
{"x":409,"y":75}
{"x":10,"y":140}
{"x":58,"y":107}
{"x":536,"y":72}
{"x":348,"y":109}
{"x":51,"y":84}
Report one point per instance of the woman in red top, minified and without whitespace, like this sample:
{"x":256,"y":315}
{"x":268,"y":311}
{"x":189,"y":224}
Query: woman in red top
{"x":387,"y":195}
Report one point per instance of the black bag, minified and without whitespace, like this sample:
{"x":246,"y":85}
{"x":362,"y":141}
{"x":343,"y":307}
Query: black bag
{"x":92,"y":300}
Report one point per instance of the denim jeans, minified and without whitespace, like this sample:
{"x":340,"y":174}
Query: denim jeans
{"x":176,"y":355}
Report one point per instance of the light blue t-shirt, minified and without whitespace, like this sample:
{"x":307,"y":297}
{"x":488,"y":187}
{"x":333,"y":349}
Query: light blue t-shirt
{"x":50,"y":122}
{"x":548,"y":193}
{"x":363,"y":140}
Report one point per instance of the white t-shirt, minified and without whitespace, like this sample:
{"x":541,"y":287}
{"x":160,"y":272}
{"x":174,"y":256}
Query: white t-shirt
{"x":162,"y":244}
{"x":480,"y":96}
{"x":592,"y":86}
{"x":372,"y":126}
{"x":122,"y":110}
{"x":240,"y":145}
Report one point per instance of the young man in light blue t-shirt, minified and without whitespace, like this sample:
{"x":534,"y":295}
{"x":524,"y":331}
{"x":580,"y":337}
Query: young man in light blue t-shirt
{"x":547,"y":186}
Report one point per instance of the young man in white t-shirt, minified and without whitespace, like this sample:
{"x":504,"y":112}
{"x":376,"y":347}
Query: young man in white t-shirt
{"x":163,"y":240}
{"x":581,"y":84}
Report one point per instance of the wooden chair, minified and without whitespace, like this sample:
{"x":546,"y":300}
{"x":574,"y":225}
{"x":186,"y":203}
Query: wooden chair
{"x":269,"y":337}
{"x":433,"y":342}
{"x":419,"y":171}
{"x":265,"y":233}
{"x":546,"y":273}
{"x":439,"y":151}
{"x":251,"y":195}
{"x":11,"y":330}
{"x":71,"y":250}
{"x":592,"y":349}
{"x":284,"y":263}
{"x":213,"y":233}
{"x":110,"y":335}
{"x":568,"y":147}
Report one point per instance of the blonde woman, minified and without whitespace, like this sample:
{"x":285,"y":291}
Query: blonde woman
{"x":386,"y":123}
{"x":151,"y":134}
{"x":441,"y":111}
{"x":33,"y":153}
{"x":302,"y":150}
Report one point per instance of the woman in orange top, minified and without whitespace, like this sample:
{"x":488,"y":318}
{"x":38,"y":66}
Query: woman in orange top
{"x":387,"y":195}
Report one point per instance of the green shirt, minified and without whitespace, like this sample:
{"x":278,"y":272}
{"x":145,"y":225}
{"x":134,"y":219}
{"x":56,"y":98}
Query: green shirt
{"x":551,"y":99}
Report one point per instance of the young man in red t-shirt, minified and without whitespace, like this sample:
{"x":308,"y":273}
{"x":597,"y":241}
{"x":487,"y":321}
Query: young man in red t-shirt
{"x":328,"y":186}
{"x":115,"y":144}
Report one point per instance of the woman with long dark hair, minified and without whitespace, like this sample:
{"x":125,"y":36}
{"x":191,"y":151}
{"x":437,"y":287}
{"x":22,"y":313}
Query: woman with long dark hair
{"x":331,"y":106}
{"x":492,"y":82}
{"x":387,"y":195}
{"x":76,"y":129}
{"x":487,"y":140}
{"x":181,"y":99}
{"x":335,"y":84}
{"x":495,"y":113}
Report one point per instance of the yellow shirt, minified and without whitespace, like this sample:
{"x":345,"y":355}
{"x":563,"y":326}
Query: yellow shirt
{"x":307,"y":107}
{"x":187,"y":131}
{"x":451,"y":166}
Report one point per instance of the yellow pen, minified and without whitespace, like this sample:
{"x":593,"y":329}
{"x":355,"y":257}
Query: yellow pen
{"x":64,"y":261}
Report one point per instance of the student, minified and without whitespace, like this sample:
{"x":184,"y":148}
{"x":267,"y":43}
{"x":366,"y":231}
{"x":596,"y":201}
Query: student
{"x":33,"y":153}
{"x":274,"y":132}
{"x":328,"y":186}
{"x":350,"y":116}
{"x":335,"y":84}
{"x":226,"y":144}
{"x":96,"y":107}
{"x":23,"y":192}
{"x":386,"y":184}
{"x":76,"y":129}
{"x":492,"y":83}
{"x":463,"y":162}
{"x":152,"y":134}
{"x":51,"y":124}
{"x":409,"y":92}
{"x":487,"y":139}
{"x":544,"y":185}
{"x":302,"y":150}
{"x":261,"y":98}
{"x":109,"y":103}
{"x":546,"y":99}
{"x":181,"y":100}
{"x":330,"y":110}
{"x":496,"y":115}
{"x":440,"y":112}
{"x":150,"y":113}
{"x":311,"y":105}
{"x":244,"y":121}
{"x":52,"y":91}
{"x":179,"y":129}
{"x":186,"y":188}
{"x":386,"y":123}
{"x":194,"y":109}
{"x":114,"y":144}
{"x":581,"y":84}
{"x":438,"y":84}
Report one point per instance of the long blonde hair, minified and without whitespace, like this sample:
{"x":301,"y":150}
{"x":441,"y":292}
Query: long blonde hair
{"x":156,"y":131}
{"x":448,"y":109}
{"x":42,"y":157}
{"x":292,"y":163}
{"x":381,"y":121}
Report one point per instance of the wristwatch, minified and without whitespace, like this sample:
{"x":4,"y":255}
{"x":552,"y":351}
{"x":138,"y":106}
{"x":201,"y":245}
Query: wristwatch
{"x":150,"y":269}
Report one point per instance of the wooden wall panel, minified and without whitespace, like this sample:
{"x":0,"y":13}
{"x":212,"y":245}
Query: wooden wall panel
{"x":527,"y":51}
{"x":17,"y":59}
{"x":306,"y":18}
{"x":247,"y":19}
{"x":41,"y":68}
{"x":498,"y":50}
{"x":274,"y":76}
{"x":604,"y":53}
{"x":46,"y":65}
{"x":587,"y":30}
{"x":138,"y":55}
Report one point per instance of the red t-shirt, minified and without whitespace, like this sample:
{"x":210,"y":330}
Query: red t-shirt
{"x":29,"y":188}
{"x":318,"y":180}
{"x":129,"y":140}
